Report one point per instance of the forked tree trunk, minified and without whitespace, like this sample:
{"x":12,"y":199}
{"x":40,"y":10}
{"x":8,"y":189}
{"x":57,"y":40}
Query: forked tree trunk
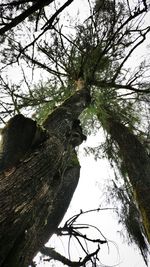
{"x":34,"y":199}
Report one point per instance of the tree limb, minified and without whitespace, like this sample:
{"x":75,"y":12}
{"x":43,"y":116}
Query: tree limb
{"x":105,"y":84}
{"x":38,"y":5}
{"x":48,"y":24}
{"x":57,"y":256}
{"x":143,"y":35}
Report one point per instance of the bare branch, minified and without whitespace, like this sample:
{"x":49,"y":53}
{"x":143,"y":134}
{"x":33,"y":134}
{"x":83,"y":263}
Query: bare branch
{"x":143,"y":35}
{"x":41,"y":65}
{"x":48,"y":24}
{"x":57,"y":256}
{"x":38,"y":5}
{"x":110,"y":42}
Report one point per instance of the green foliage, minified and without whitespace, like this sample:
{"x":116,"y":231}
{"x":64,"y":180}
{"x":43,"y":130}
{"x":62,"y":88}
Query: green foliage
{"x":108,"y":102}
{"x":50,"y":96}
{"x":90,"y":121}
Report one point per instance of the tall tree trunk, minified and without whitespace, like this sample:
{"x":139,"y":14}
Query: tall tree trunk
{"x":34,"y":199}
{"x":137,"y":164}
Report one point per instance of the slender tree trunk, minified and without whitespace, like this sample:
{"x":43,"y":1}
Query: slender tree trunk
{"x":34,"y":199}
{"x":137,"y":164}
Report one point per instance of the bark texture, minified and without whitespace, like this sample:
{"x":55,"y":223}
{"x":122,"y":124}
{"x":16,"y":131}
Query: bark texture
{"x":137,"y":164}
{"x":34,"y":199}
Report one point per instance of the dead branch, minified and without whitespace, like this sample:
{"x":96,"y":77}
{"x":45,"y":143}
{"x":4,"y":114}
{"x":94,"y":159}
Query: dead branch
{"x":57,"y":256}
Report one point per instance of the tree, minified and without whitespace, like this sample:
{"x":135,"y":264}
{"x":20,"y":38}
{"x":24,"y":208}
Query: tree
{"x":51,"y":184}
{"x":98,"y":53}
{"x":135,"y":169}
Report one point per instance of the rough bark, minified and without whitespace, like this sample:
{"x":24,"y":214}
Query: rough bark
{"x":137,"y":164}
{"x":34,"y":199}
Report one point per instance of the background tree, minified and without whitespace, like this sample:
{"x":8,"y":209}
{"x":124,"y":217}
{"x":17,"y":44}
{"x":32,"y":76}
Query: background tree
{"x":98,"y":51}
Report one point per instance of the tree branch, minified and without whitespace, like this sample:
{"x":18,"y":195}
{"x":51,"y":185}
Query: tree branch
{"x":143,"y":35}
{"x":43,"y":66}
{"x":105,"y":84}
{"x":110,"y":42}
{"x":48,"y":24}
{"x":38,"y":5}
{"x":57,"y":256}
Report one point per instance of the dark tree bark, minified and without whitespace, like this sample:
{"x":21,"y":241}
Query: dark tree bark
{"x":34,"y":199}
{"x":137,"y":163}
